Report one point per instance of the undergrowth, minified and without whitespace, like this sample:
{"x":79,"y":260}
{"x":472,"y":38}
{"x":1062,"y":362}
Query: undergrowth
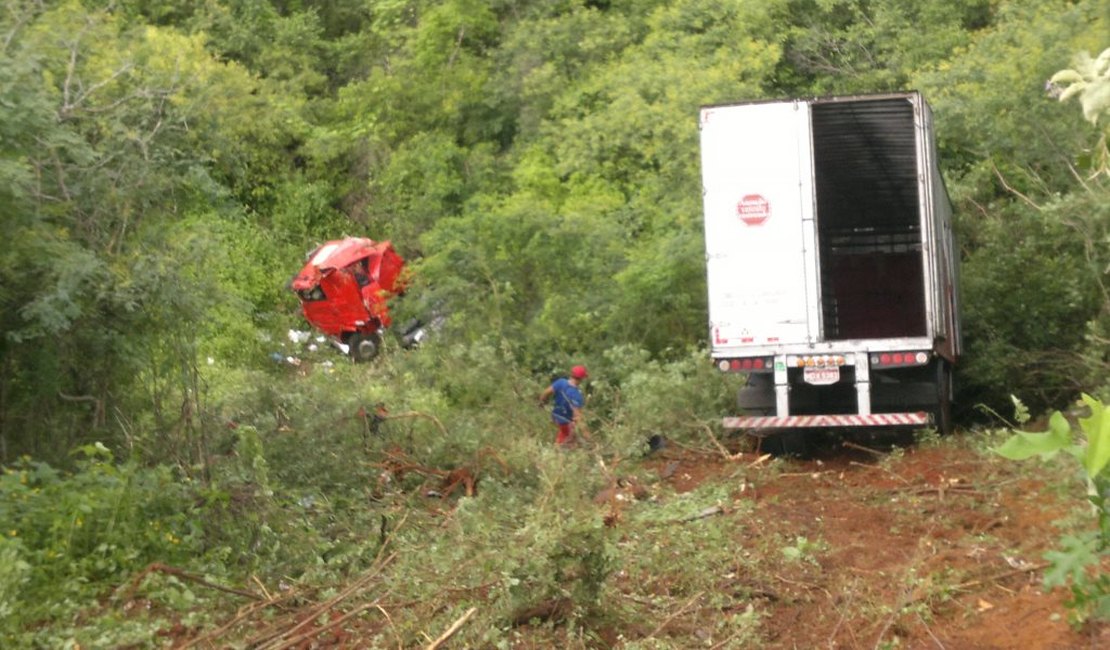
{"x":307,"y":476}
{"x":325,"y":475}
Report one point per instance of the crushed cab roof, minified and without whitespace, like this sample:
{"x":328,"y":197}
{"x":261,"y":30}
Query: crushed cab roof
{"x":338,"y":254}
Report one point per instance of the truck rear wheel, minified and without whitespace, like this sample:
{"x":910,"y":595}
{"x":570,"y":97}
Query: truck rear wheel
{"x":364,"y":347}
{"x":788,"y":442}
{"x":942,"y":410}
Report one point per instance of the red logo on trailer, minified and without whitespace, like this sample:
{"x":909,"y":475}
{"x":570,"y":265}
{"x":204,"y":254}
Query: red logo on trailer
{"x":753,"y":209}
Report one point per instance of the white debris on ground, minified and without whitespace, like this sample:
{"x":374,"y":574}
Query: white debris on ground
{"x":302,"y":343}
{"x":299,"y":336}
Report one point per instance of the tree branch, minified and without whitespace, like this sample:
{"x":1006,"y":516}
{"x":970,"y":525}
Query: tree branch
{"x":458,"y":47}
{"x":1011,"y":190}
{"x":157,"y":567}
{"x":452,"y":630}
{"x":19,"y":22}
{"x":672,"y":617}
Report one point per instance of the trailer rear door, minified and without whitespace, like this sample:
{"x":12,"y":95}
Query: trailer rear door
{"x":761,"y":256}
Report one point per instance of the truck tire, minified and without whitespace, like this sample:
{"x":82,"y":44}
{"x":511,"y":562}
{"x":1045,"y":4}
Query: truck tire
{"x":364,"y":347}
{"x":942,"y":410}
{"x":787,"y":443}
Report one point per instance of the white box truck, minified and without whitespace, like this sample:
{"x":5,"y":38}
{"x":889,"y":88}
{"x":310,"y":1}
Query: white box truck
{"x":832,"y":270}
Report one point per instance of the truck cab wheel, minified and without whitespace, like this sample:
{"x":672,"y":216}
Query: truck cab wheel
{"x":364,"y":347}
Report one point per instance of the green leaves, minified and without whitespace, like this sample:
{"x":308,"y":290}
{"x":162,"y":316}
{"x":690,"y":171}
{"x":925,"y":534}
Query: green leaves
{"x":1097,"y":428}
{"x":1072,"y":564}
{"x":1094,"y":454}
{"x":67,"y":535}
{"x":1090,"y":81}
{"x":1027,"y":445}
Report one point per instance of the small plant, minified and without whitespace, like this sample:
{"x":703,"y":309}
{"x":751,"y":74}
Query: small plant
{"x":927,"y":437}
{"x":803,"y":550}
{"x":1078,"y":562}
{"x":895,"y":456}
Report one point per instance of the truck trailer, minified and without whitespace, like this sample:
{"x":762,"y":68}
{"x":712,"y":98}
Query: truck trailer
{"x":831,"y":266}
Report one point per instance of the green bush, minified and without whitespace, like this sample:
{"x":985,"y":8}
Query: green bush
{"x":680,"y":400}
{"x":71,"y":538}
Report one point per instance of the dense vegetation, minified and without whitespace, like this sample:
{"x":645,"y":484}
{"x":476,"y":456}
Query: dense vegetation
{"x":166,"y":165}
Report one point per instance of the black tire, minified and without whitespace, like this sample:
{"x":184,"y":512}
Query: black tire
{"x":364,"y":347}
{"x":942,"y":410}
{"x":786,"y":443}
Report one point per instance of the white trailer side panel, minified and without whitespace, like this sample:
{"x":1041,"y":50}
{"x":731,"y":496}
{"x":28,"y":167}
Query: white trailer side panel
{"x":943,"y":280}
{"x":760,"y":237}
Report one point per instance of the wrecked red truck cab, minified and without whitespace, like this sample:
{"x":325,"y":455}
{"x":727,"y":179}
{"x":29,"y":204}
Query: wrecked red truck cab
{"x":344,"y":289}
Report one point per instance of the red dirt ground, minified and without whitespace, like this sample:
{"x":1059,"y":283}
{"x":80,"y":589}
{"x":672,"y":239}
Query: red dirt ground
{"x":925,"y":547}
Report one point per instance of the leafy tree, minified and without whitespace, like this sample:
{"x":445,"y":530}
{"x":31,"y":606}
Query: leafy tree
{"x":856,"y":46}
{"x":115,"y":120}
{"x":997,"y":126}
{"x":1030,"y":338}
{"x":1010,"y":154}
{"x":612,"y":168}
{"x":1089,"y":80}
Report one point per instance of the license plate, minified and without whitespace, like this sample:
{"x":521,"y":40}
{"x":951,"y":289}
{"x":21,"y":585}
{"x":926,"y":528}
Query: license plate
{"x":821,"y":376}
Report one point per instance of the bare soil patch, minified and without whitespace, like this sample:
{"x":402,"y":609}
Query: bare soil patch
{"x":935,"y":546}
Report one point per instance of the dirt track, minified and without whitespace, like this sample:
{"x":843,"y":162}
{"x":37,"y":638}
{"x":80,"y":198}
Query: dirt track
{"x":934,"y":546}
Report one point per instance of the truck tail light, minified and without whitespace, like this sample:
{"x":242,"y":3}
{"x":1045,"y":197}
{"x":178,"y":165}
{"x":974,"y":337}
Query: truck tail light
{"x":747,"y":364}
{"x":898,"y":359}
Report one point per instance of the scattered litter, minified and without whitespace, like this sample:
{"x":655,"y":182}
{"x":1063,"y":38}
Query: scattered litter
{"x":1017,"y":563}
{"x":759,"y":461}
{"x":278,"y":357}
{"x":708,"y":512}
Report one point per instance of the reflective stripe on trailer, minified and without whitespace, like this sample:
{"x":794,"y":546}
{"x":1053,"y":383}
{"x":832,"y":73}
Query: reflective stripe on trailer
{"x":800,"y":421}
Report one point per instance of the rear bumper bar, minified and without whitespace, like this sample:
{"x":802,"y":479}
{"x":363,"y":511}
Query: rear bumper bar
{"x":827,"y":421}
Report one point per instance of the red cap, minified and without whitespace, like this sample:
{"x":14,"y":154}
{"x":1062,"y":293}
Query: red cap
{"x":579,"y":372}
